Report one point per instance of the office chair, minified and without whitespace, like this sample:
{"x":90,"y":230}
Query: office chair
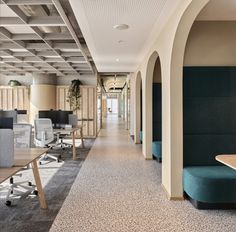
{"x":73,"y":120}
{"x":22,"y":139}
{"x":44,"y":137}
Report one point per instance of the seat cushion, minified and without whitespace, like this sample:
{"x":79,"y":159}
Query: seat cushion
{"x":210,"y":184}
{"x":156,"y":149}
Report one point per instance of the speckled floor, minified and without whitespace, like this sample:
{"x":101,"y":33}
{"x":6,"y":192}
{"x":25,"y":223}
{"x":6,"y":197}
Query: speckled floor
{"x":117,"y":190}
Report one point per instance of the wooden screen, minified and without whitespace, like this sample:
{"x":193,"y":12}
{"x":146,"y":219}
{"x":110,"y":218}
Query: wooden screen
{"x":14,"y":98}
{"x":87,"y":115}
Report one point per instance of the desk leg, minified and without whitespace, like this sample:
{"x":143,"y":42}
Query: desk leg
{"x":81,"y":137}
{"x":42,"y":201}
{"x":73,"y":142}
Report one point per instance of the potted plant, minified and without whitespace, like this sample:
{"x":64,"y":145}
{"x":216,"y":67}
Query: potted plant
{"x":73,"y":96}
{"x":13,"y":83}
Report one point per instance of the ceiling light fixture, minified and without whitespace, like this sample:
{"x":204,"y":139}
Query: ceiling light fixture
{"x":117,"y":59}
{"x":121,"y":26}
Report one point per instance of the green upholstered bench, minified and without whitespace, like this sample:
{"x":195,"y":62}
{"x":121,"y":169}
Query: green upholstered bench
{"x":141,"y":136}
{"x":156,"y":150}
{"x":210,"y":187}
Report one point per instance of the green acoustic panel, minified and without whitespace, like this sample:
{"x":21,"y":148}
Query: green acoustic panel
{"x":209,"y":103}
{"x":157,"y":112}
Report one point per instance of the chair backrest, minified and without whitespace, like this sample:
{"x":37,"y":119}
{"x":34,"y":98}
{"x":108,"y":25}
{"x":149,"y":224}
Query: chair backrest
{"x":6,"y":148}
{"x":43,"y":131}
{"x":22,"y":135}
{"x":73,"y":120}
{"x":9,"y":114}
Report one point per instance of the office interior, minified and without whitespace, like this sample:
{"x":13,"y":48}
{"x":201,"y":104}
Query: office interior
{"x":150,"y":143}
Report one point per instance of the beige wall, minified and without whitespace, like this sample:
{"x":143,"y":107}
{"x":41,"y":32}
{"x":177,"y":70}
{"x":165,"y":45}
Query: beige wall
{"x":211,"y":44}
{"x":42,"y":97}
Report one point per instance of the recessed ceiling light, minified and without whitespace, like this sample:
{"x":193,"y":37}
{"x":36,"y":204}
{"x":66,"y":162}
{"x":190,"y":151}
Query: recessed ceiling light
{"x":121,"y":26}
{"x":117,"y":59}
{"x":121,"y":41}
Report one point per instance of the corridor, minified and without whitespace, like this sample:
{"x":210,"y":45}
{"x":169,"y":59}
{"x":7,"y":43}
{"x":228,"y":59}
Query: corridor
{"x":117,"y":190}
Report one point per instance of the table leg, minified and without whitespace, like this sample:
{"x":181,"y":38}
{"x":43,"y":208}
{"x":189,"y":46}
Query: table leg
{"x":73,"y":142}
{"x":81,"y":137}
{"x":42,"y":201}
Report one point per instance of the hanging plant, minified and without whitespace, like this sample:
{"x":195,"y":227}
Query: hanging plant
{"x":13,"y":83}
{"x":73,"y":96}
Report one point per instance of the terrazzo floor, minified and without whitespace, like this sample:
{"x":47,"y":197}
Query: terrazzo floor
{"x":117,"y":190}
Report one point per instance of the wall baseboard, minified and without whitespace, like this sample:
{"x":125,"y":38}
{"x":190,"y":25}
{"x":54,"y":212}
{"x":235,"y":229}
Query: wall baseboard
{"x":171,"y":198}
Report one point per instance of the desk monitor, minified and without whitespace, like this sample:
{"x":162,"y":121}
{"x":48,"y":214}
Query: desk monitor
{"x":63,"y":116}
{"x":48,"y":114}
{"x":6,"y":123}
{"x":58,"y":117}
{"x":9,"y":114}
{"x":21,"y":111}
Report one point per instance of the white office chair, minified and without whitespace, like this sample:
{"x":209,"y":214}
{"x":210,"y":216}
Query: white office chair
{"x":22,"y":139}
{"x":44,"y":137}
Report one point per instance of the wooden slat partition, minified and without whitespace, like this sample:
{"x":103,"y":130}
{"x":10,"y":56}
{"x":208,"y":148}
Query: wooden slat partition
{"x":87,"y":113}
{"x":14,"y":97}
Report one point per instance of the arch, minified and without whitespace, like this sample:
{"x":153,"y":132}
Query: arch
{"x":137,"y":108}
{"x":147,"y":107}
{"x":173,"y":160}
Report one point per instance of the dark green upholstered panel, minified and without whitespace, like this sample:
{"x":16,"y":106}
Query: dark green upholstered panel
{"x":211,"y":184}
{"x":202,"y":149}
{"x":209,"y":113}
{"x":156,"y":111}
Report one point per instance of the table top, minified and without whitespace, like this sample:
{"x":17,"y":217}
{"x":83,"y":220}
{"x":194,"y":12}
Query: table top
{"x":227,"y":159}
{"x":67,"y":130}
{"x":22,"y":158}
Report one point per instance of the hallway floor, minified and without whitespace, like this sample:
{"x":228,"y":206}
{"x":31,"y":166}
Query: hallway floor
{"x":117,"y":190}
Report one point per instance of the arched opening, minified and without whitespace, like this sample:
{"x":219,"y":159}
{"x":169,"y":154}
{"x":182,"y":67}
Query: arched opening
{"x":151,"y":117}
{"x":172,"y":161}
{"x":209,"y":99}
{"x":138,"y":109}
{"x":157,"y":112}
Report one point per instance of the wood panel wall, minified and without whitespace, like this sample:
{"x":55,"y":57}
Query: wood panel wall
{"x":87,"y":114}
{"x":14,"y":98}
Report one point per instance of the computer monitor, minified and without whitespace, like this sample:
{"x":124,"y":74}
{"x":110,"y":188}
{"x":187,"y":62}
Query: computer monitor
{"x":9,"y":114}
{"x":21,"y":111}
{"x":59,"y":118}
{"x":48,"y":114}
{"x":63,"y":116}
{"x":6,"y":123}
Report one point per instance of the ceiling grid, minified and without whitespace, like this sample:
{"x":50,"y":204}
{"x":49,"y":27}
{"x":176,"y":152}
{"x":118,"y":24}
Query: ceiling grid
{"x":37,"y":36}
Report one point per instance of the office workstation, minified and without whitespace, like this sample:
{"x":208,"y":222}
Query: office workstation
{"x":24,"y":145}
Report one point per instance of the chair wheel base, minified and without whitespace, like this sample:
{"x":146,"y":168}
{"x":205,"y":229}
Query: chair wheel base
{"x":8,"y":203}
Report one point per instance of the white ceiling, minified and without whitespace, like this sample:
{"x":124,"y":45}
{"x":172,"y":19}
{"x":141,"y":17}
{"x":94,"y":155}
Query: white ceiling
{"x":96,"y":19}
{"x":219,"y":10}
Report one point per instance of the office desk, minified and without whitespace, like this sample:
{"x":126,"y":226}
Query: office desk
{"x":228,"y":160}
{"x":72,"y":131}
{"x":22,"y":158}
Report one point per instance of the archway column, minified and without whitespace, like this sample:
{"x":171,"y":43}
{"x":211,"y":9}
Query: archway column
{"x":137,"y":108}
{"x":172,"y":161}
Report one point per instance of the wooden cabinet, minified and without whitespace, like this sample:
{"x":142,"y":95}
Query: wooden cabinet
{"x":87,"y":114}
{"x":14,"y":98}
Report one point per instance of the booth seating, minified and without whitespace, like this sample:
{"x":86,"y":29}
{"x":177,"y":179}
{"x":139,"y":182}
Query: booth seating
{"x":156,"y":150}
{"x":209,"y":130}
{"x":210,"y":187}
{"x":141,"y":136}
